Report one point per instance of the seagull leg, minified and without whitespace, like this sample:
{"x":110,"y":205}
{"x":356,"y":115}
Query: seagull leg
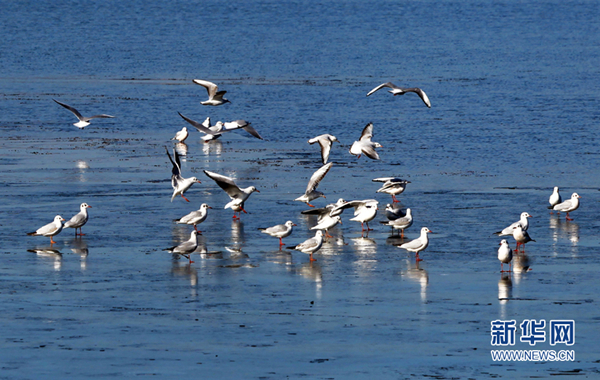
{"x":189,"y":257}
{"x":394,"y":200}
{"x":184,"y":198}
{"x":280,"y":243}
{"x":568,"y":218}
{"x":402,"y":237}
{"x":80,"y":232}
{"x":309,"y":205}
{"x":418,"y":258}
{"x":327,"y":234}
{"x":501,"y":267}
{"x":311,"y":258}
{"x":52,"y":241}
{"x":369,"y":229}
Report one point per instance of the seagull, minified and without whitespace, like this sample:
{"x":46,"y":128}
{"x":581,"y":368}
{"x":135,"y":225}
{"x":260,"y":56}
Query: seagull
{"x":195,"y":217}
{"x":186,"y":248}
{"x":83,"y":121}
{"x":326,"y":223}
{"x":50,"y":229}
{"x":395,"y":90}
{"x":325,"y":141}
{"x":311,"y":245}
{"x":401,"y":223}
{"x":418,"y":244}
{"x":327,"y":210}
{"x":568,"y":205}
{"x":505,"y":255}
{"x":238,"y":196}
{"x":215,"y":97}
{"x":181,"y":135}
{"x":394,"y":211}
{"x":521,"y":236}
{"x":364,"y":211}
{"x":79,"y":220}
{"x":393,"y":186}
{"x":279,"y":231}
{"x":554,"y":199}
{"x":364,"y":145}
{"x":311,"y":192}
{"x":523,"y":222}
{"x":215,"y":131}
{"x":180,"y":184}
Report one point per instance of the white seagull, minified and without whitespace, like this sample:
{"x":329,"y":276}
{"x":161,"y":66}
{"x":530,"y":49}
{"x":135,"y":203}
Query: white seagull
{"x":401,"y":223}
{"x":195,"y":217}
{"x":49,"y":229}
{"x":311,"y":192}
{"x":327,"y":210}
{"x":238,"y":196}
{"x":395,"y":90}
{"x":568,"y":205}
{"x":326,"y":223}
{"x":554,"y":199}
{"x":311,"y":245}
{"x":279,"y":231}
{"x":364,"y":211}
{"x":418,"y":244}
{"x":180,"y":184}
{"x":181,"y":135}
{"x":523,"y":222}
{"x":392,"y":185}
{"x":505,"y":255}
{"x":83,"y":121}
{"x":215,"y":131}
{"x":521,"y":236}
{"x":187,"y":247}
{"x":215,"y":97}
{"x":364,"y":145}
{"x":325,"y":141}
{"x":79,"y":219}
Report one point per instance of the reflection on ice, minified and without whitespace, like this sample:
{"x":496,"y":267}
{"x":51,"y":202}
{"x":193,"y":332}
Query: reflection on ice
{"x":186,"y":271}
{"x":312,"y":271}
{"x":364,"y":246}
{"x":504,"y":288}
{"x":49,"y":253}
{"x":521,"y":264}
{"x":235,"y":253}
{"x":212,"y":147}
{"x":79,"y":247}
{"x":416,"y":274}
{"x":181,"y":149}
{"x":564,"y":229}
{"x":238,"y":237}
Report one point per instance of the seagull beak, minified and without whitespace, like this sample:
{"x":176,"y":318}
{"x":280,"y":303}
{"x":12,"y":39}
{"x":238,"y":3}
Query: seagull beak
{"x":294,"y":224}
{"x":89,"y":206}
{"x":257,"y":191}
{"x":209,"y":207}
{"x":198,"y":181}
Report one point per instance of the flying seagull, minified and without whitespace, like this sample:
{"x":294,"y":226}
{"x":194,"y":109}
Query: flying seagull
{"x":83,"y":121}
{"x":395,"y":90}
{"x":215,"y":97}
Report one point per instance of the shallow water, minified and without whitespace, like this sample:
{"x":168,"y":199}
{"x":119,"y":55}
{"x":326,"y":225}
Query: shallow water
{"x":514,"y":91}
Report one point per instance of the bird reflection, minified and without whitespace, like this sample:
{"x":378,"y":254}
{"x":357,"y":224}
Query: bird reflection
{"x":416,"y":274}
{"x":49,"y":253}
{"x":238,"y":237}
{"x":332,"y":245}
{"x":395,"y":240}
{"x":312,"y":271}
{"x":521,"y":264}
{"x":504,"y":288}
{"x":79,"y":247}
{"x":235,"y":253}
{"x":212,"y":147}
{"x":186,"y":271}
{"x":82,"y":166}
{"x":279,"y":257}
{"x":181,"y":149}
{"x":364,"y":246}
{"x":564,"y":229}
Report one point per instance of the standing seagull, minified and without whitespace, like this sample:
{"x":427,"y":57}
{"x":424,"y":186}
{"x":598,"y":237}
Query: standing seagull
{"x":181,"y":135}
{"x":238,"y":196}
{"x":554,"y":199}
{"x":83,"y":121}
{"x":505,"y":255}
{"x":395,"y":90}
{"x":523,"y":222}
{"x":401,"y":223}
{"x":186,"y":248}
{"x":364,"y":145}
{"x":568,"y":205}
{"x":50,"y":229}
{"x":279,"y":231}
{"x":311,"y":192}
{"x":521,"y":237}
{"x":180,"y":184}
{"x":326,"y":223}
{"x":195,"y":217}
{"x":418,"y":244}
{"x":215,"y":97}
{"x":364,"y":211}
{"x":393,"y":186}
{"x":325,"y":141}
{"x":79,"y":219}
{"x":311,"y":245}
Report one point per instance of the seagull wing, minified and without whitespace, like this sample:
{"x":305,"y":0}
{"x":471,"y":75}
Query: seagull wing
{"x":70,"y":109}
{"x":325,"y":149}
{"x":252,"y":131}
{"x":367,"y":133}
{"x":211,"y":88}
{"x":369,"y":151}
{"x":176,"y":167}
{"x":317,"y":177}
{"x":421,"y":94}
{"x":198,"y":126}
{"x":102,"y":116}
{"x":388,"y":84}
{"x":226,"y":184}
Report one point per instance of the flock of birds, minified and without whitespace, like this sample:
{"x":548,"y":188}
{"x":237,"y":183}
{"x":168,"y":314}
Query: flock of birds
{"x":329,"y":216}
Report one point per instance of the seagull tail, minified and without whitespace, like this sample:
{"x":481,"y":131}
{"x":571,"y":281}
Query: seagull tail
{"x":31,"y":233}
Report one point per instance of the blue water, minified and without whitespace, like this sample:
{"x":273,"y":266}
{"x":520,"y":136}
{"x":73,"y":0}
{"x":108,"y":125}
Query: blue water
{"x":514,"y":89}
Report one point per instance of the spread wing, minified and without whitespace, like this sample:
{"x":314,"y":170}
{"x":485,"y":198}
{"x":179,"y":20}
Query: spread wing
{"x":75,"y":112}
{"x":211,"y":88}
{"x":317,"y":177}
{"x":367,"y":133}
{"x":388,"y":84}
{"x":421,"y":94}
{"x":226,"y":184}
{"x":200,"y":127}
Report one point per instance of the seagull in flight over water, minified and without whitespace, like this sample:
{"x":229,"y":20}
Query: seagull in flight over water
{"x":395,"y":90}
{"x":215,"y":97}
{"x":83,"y":121}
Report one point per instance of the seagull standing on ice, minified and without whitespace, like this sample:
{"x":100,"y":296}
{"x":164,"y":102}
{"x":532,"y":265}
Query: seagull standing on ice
{"x":215,"y":131}
{"x":364,"y":211}
{"x":392,"y":186}
{"x":325,"y":141}
{"x":554,"y":199}
{"x":83,"y":121}
{"x":326,"y":223}
{"x":521,"y":237}
{"x":238,"y":196}
{"x":401,"y":223}
{"x":181,"y":135}
{"x":195,"y":217}
{"x":418,"y":244}
{"x":215,"y":97}
{"x":395,"y":90}
{"x":311,"y":192}
{"x":279,"y":231}
{"x":49,"y":229}
{"x":364,"y":145}
{"x":568,"y":205}
{"x":505,"y":255}
{"x":186,"y":248}
{"x":311,"y":245}
{"x":79,"y":219}
{"x":523,"y":222}
{"x":180,"y":184}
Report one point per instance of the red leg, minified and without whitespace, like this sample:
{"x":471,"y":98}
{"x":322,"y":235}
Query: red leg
{"x":309,"y":205}
{"x":394,"y":200}
{"x":568,"y":217}
{"x":184,"y":198}
{"x":311,"y":258}
{"x":52,"y":241}
{"x":418,"y":258}
{"x":280,"y":242}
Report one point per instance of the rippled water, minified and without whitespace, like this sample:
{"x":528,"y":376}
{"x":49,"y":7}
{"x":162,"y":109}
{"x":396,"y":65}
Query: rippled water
{"x":514,"y":91}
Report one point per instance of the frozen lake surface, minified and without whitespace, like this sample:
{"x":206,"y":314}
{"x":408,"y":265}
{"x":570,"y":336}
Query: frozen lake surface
{"x":514,"y":91}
